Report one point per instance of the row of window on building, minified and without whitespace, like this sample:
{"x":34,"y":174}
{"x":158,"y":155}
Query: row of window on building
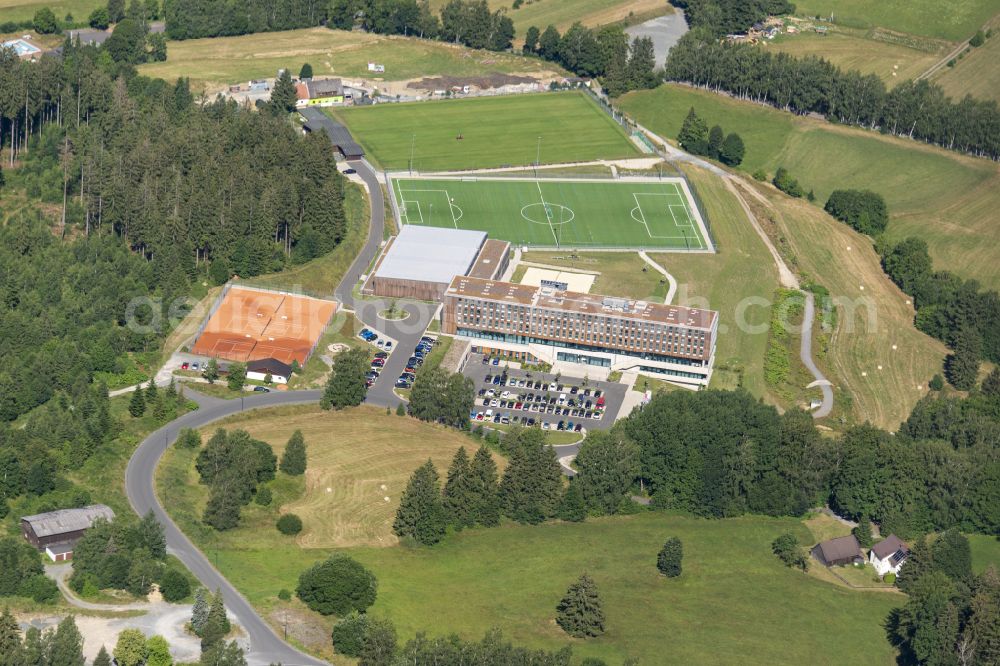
{"x":582,"y":327}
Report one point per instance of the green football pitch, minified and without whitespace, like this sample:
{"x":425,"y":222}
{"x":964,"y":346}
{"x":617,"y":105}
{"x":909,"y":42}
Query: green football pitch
{"x":557,"y":213}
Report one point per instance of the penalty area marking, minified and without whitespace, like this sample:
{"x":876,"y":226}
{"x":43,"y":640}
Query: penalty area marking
{"x":456,"y":211}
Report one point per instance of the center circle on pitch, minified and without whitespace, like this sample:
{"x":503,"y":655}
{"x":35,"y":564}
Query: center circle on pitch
{"x":548,"y":213}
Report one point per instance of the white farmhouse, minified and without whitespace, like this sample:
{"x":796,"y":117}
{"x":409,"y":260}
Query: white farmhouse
{"x":887,"y":556}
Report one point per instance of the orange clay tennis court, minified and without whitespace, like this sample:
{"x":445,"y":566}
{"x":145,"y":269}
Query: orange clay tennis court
{"x":250,"y":325}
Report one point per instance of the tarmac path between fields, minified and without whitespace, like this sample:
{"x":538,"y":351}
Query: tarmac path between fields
{"x":786,"y":277}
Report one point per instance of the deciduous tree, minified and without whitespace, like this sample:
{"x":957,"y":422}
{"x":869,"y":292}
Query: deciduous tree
{"x":337,"y":586}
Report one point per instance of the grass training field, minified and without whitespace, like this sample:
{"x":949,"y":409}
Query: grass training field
{"x":949,"y":200}
{"x":853,"y":49}
{"x":556,"y":213}
{"x":494,"y":131}
{"x":216,"y":62}
{"x":954,"y":21}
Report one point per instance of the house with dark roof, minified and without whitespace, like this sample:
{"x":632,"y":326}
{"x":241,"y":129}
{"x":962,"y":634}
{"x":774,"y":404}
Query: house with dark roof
{"x":260,"y":369}
{"x":56,"y":532}
{"x":838,"y":552}
{"x":319,"y":92}
{"x":888,"y":555}
{"x":90,"y":37}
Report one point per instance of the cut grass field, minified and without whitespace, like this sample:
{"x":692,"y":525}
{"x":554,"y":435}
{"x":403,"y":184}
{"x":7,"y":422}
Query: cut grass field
{"x":556,"y":213}
{"x":954,"y":21}
{"x":563,"y":13}
{"x":852,"y":49}
{"x":875,"y":355}
{"x":949,"y":200}
{"x":24,"y":10}
{"x":735,"y":602}
{"x":494,"y":131}
{"x":977,"y":74}
{"x":357,"y":458}
{"x":216,"y":62}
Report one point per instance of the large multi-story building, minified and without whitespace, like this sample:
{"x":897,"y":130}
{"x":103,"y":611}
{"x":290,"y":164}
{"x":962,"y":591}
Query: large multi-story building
{"x":551,"y":324}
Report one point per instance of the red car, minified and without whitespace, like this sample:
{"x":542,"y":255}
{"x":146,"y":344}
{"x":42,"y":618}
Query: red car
{"x":378,"y":363}
{"x":184,"y":366}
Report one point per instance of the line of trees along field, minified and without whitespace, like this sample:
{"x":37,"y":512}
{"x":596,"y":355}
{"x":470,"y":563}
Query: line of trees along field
{"x":917,"y":110}
{"x":724,"y":17}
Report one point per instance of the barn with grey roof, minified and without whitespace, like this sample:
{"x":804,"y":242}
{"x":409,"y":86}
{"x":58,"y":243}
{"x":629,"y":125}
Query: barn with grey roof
{"x":56,"y":532}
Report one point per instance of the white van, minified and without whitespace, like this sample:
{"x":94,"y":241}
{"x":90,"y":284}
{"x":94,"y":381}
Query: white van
{"x":562,"y":399}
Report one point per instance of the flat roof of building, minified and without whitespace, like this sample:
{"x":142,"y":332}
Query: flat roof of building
{"x":575,"y":302}
{"x":492,"y":255}
{"x":430,"y":254}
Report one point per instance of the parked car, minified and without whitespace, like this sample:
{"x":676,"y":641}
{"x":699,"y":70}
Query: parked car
{"x":350,"y":171}
{"x":194,"y":366}
{"x":261,"y":389}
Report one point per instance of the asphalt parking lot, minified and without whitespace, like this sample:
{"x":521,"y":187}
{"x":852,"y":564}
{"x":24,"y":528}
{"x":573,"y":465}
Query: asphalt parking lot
{"x":542,"y":397}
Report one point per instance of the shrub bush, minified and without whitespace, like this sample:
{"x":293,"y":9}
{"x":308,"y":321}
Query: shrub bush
{"x":337,"y":586}
{"x":289,"y":524}
{"x":760,"y":175}
{"x":263,"y":496}
{"x":889,"y":578}
{"x":40,"y":588}
{"x":284,"y":594}
{"x":349,"y":634}
{"x":174,"y":585}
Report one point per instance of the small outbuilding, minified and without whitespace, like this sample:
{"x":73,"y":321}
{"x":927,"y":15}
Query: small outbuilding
{"x":259,"y":370}
{"x":340,"y":136}
{"x":838,"y":552}
{"x":888,"y":555}
{"x":56,"y":532}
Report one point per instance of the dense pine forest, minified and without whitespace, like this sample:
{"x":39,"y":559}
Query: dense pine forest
{"x":917,"y":110}
{"x":126,"y":194}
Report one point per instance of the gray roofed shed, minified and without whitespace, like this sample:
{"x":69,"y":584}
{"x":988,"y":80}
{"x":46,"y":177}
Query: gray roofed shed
{"x":339,"y":135}
{"x":64,"y":521}
{"x":842,"y":550}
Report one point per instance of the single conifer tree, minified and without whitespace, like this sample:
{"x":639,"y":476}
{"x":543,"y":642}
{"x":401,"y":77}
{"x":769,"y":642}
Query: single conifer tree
{"x":216,"y":624}
{"x":572,"y":507}
{"x":669,"y":559}
{"x":199,"y":612}
{"x":102,"y":658}
{"x":579,"y":613}
{"x":458,"y":492}
{"x":137,"y":404}
{"x":293,"y":460}
{"x":485,"y":489}
{"x":421,"y":515}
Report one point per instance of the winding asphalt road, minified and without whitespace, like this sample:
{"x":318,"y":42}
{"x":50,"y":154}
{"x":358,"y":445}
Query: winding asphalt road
{"x":265,"y":646}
